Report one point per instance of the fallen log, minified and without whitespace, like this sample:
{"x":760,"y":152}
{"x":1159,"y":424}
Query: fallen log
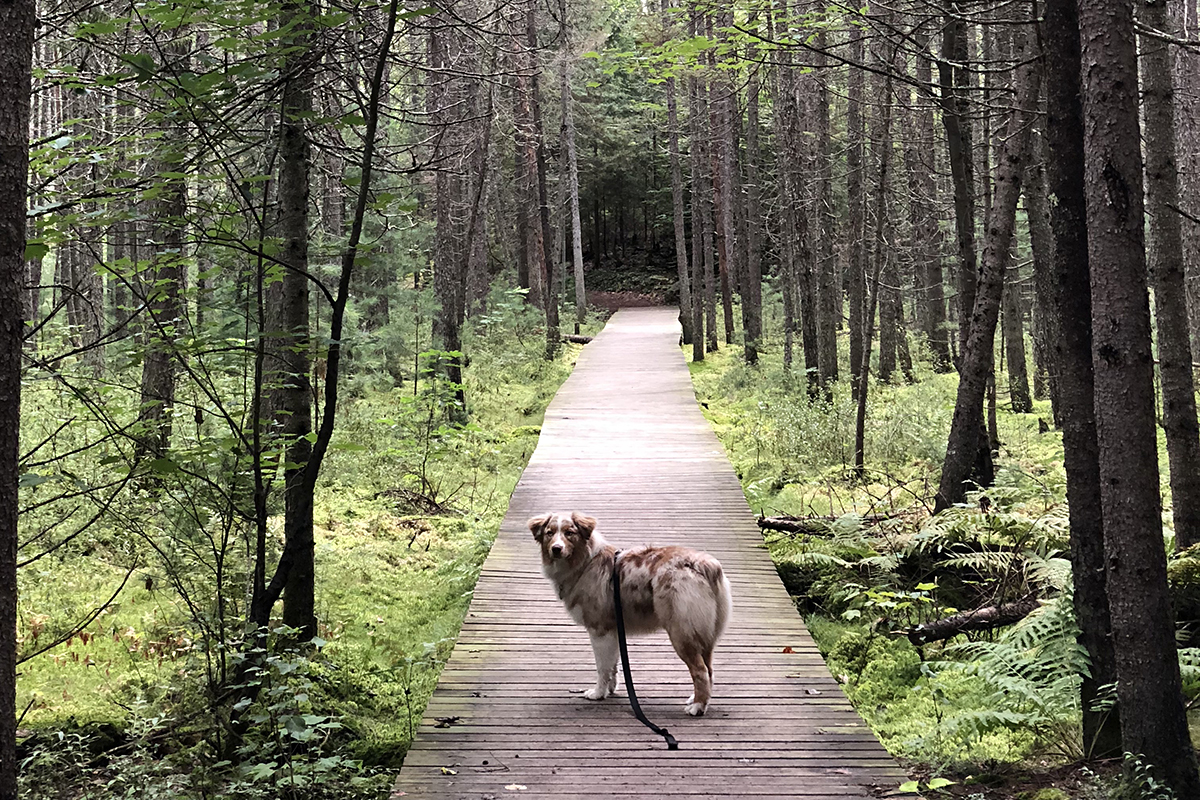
{"x":815,"y":525}
{"x":575,"y":338}
{"x":980,"y":619}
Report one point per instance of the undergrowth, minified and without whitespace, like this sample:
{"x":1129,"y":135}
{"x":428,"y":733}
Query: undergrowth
{"x":406,"y":511}
{"x":871,"y":565}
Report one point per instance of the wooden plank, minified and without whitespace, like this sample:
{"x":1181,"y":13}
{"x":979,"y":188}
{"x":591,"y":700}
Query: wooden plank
{"x":624,"y":441}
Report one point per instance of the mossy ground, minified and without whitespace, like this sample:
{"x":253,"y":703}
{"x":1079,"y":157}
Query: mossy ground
{"x":794,"y":455}
{"x":394,"y":577}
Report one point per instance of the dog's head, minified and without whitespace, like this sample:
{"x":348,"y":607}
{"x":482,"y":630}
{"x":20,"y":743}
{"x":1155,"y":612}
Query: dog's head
{"x":562,"y":535}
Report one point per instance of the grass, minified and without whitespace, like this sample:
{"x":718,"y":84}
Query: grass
{"x":394,"y":573}
{"x":794,"y":456}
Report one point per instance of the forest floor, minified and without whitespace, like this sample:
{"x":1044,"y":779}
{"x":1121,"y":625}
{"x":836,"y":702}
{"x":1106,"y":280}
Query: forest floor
{"x":945,"y":711}
{"x":406,"y":512}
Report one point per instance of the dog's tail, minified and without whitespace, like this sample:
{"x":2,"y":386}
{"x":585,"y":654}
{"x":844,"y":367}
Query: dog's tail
{"x":721,"y":593}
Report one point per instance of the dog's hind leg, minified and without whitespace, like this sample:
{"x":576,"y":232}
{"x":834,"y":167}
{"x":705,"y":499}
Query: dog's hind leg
{"x":693,"y":656}
{"x":605,"y":646}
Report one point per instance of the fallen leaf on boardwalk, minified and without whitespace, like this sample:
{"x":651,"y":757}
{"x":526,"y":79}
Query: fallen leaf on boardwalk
{"x":839,"y":771}
{"x":788,"y":649}
{"x":812,"y":691}
{"x":516,"y":787}
{"x":448,"y":771}
{"x":446,"y":722}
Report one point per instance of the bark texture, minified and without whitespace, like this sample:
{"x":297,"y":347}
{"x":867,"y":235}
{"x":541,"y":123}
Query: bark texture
{"x":17,"y":19}
{"x":1153,"y":724}
{"x":1167,"y":273}
{"x":1072,"y":360}
{"x":290,"y":398}
{"x":965,"y":444}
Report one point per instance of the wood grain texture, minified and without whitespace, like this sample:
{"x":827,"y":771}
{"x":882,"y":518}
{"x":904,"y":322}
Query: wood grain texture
{"x":624,"y":441}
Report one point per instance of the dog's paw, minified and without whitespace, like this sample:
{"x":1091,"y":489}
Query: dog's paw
{"x":597,"y":693}
{"x":695,"y":709}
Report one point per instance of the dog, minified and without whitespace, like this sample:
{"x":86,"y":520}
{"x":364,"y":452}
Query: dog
{"x":676,"y":589}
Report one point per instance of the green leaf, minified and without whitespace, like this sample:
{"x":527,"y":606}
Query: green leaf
{"x":909,"y":787}
{"x":164,"y":466}
{"x":143,"y":65}
{"x":940,"y":783}
{"x":419,"y":12}
{"x":30,"y":479}
{"x":36,"y":250}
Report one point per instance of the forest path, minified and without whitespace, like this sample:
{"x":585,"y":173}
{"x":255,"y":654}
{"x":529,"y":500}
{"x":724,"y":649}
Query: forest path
{"x":624,"y":440}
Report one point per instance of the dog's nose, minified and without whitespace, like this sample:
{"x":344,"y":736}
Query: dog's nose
{"x":556,"y":550}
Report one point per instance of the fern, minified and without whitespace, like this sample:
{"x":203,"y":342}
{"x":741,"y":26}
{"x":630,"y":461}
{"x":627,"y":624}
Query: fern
{"x":1032,"y":674}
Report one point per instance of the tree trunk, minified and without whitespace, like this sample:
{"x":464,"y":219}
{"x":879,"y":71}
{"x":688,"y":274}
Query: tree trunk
{"x":752,"y":280}
{"x":553,"y":340}
{"x":17,"y":20}
{"x":856,"y":264}
{"x":1014,"y":345}
{"x":884,"y":227}
{"x":952,"y":81}
{"x":450,"y":101}
{"x":521,"y":198}
{"x":1072,"y":363}
{"x":290,"y":394}
{"x":706,"y":193}
{"x":678,"y":214}
{"x":163,"y":286}
{"x":1170,"y":291}
{"x":1186,"y":23}
{"x":1153,"y":722}
{"x":801,"y":157}
{"x":1041,"y":241}
{"x":721,"y":161}
{"x":825,"y":226}
{"x":920,"y":161}
{"x":964,"y":446}
{"x":696,"y":161}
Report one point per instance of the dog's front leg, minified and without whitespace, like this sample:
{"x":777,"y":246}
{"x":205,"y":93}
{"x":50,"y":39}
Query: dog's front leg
{"x":604,"y":645}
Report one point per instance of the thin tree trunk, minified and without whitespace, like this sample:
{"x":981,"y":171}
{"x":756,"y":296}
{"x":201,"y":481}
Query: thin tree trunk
{"x":290,"y":397}
{"x":553,"y":339}
{"x":1041,"y":241}
{"x":17,"y":20}
{"x":825,"y":226}
{"x":165,"y":283}
{"x":696,"y":161}
{"x":677,"y":207}
{"x":965,"y":446}
{"x":1153,"y":721}
{"x":1167,"y":273}
{"x":752,"y":280}
{"x":1014,"y":345}
{"x":884,"y":227}
{"x":856,"y":263}
{"x":1186,"y":25}
{"x":721,"y":161}
{"x":952,"y":82}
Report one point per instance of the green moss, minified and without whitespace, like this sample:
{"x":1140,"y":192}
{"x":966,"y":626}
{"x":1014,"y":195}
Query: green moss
{"x":1043,"y":794}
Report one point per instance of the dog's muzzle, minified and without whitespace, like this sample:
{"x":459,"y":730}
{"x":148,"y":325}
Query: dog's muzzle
{"x":556,"y":550}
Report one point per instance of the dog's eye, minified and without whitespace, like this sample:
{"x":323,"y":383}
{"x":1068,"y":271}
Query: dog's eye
{"x":569,"y":531}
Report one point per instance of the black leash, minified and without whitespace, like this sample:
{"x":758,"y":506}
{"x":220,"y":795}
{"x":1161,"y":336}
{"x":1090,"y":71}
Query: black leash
{"x":633,"y":701}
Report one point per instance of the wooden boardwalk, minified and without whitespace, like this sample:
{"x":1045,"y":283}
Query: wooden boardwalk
{"x":624,"y":441}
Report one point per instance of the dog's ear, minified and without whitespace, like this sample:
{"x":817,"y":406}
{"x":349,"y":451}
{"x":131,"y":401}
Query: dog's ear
{"x":537,"y":523}
{"x":585,"y":524}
